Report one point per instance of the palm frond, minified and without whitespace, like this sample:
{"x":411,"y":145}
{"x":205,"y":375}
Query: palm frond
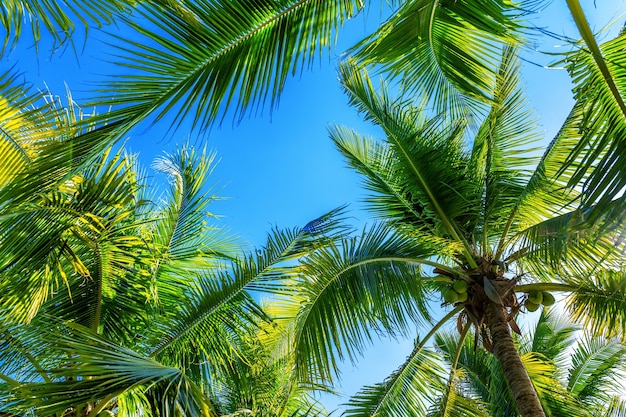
{"x":371,"y":283}
{"x":596,"y":363}
{"x":407,"y":391}
{"x":425,"y":159}
{"x":26,"y":121}
{"x":599,"y":302}
{"x":61,"y":230}
{"x":201,"y":59}
{"x":98,"y":370}
{"x":58,"y":18}
{"x":420,"y":44}
{"x":218,"y":308}
{"x":597,"y":73}
{"x":182,"y":240}
{"x":502,"y":151}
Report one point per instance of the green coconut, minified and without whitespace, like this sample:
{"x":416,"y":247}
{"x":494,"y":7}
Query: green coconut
{"x":530,"y":306}
{"x":462,"y":297}
{"x":535,"y":297}
{"x":450,"y":296}
{"x":548,"y":299}
{"x":459,"y":286}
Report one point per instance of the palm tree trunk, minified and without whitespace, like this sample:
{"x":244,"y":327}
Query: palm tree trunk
{"x":506,"y":353}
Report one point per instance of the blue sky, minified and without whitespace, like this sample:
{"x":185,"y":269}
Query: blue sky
{"x":283,"y":170}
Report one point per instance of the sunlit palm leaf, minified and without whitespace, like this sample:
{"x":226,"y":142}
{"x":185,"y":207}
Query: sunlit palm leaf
{"x":407,"y":391}
{"x":183,"y":241}
{"x":599,"y":301}
{"x":26,"y":120}
{"x":596,"y":365}
{"x":59,"y":231}
{"x":373,"y":283}
{"x":598,"y":75}
{"x":424,"y":159}
{"x":447,"y":51}
{"x":503,"y":153}
{"x":218,"y":308}
{"x":201,"y":59}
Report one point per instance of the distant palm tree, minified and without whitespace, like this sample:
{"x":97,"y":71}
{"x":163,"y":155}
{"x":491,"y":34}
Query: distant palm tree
{"x":475,"y":215}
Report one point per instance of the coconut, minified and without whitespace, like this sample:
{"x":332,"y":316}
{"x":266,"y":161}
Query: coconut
{"x":459,"y":286}
{"x":548,"y":299}
{"x":535,"y":297}
{"x":530,"y":306}
{"x":450,"y":296}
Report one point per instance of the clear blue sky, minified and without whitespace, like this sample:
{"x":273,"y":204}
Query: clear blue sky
{"x":283,"y":170}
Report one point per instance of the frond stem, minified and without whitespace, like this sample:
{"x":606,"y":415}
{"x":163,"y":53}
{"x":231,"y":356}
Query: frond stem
{"x":587,"y":34}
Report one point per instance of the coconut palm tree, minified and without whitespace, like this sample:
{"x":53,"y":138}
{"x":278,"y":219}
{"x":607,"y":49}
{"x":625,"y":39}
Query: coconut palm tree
{"x":118,"y":300}
{"x":476,"y":219}
{"x":574,"y":373}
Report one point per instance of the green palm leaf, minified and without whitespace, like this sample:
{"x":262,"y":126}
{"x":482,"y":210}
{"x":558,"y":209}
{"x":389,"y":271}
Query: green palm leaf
{"x":98,"y":370}
{"x":599,"y":90}
{"x":182,"y":240}
{"x":599,"y":301}
{"x":407,"y":391}
{"x":58,"y":18}
{"x":596,"y":363}
{"x":373,"y":283}
{"x":425,"y":158}
{"x":201,"y":59}
{"x":421,"y":43}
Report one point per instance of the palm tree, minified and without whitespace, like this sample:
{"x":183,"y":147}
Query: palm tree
{"x":118,"y":300}
{"x":475,"y":215}
{"x":574,"y":373}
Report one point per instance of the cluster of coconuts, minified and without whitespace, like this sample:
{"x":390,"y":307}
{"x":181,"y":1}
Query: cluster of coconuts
{"x":455,"y":293}
{"x":536,"y":298}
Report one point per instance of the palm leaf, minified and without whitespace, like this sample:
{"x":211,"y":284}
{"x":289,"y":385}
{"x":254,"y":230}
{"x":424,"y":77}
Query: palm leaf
{"x":98,"y":370}
{"x":181,"y":238}
{"x":201,"y":59}
{"x":420,"y":44}
{"x":502,"y":152}
{"x":58,"y":18}
{"x":218,"y":308}
{"x":426,"y":160}
{"x":597,"y":73}
{"x":366,"y":284}
{"x":599,"y":301}
{"x":407,"y":391}
{"x":596,"y":365}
